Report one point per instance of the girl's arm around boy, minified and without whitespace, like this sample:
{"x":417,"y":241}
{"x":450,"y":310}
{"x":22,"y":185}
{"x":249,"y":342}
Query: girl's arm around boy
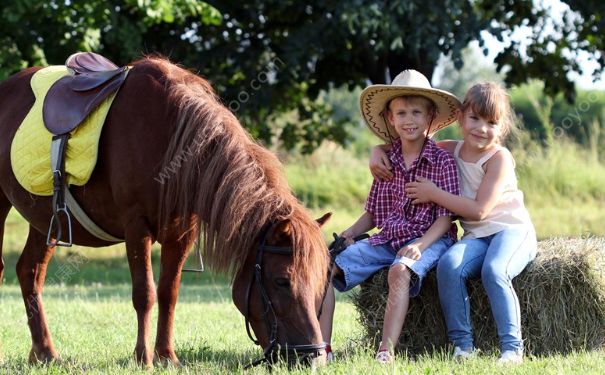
{"x":497,"y":168}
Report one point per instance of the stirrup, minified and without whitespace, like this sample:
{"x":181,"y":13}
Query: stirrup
{"x":200,"y":260}
{"x":58,"y":241}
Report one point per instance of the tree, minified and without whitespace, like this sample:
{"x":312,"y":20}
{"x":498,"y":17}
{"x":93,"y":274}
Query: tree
{"x":269,"y":60}
{"x":41,"y":32}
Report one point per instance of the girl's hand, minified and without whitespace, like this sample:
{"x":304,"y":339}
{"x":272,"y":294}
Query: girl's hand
{"x":380,"y":165}
{"x":421,"y":190}
{"x":410,"y":251}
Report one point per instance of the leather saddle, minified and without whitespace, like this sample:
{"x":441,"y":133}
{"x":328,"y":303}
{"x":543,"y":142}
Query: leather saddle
{"x":72,"y":98}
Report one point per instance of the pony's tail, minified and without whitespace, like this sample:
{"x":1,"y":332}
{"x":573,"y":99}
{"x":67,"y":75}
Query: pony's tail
{"x":5,"y":207}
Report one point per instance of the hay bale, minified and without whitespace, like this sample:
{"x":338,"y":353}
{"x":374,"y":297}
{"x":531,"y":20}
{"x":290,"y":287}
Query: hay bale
{"x":562,"y":297}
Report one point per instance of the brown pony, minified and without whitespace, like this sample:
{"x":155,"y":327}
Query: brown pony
{"x":176,"y":166}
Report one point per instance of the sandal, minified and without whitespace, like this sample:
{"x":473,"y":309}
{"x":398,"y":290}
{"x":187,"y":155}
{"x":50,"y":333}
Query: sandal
{"x":384,"y":357}
{"x":329,"y":354}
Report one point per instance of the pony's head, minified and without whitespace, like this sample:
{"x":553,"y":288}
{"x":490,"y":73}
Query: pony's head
{"x":280,"y":290}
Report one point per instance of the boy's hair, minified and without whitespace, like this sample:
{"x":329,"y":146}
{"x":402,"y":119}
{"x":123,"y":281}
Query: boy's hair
{"x":429,"y":105}
{"x":490,"y":101}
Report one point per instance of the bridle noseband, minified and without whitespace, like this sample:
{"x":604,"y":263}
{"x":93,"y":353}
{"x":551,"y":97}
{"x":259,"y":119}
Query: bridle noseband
{"x":303,"y":352}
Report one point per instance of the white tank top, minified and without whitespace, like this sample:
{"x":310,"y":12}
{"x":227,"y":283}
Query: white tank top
{"x":508,"y":212}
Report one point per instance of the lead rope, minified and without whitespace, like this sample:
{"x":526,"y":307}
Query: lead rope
{"x":336,"y":247}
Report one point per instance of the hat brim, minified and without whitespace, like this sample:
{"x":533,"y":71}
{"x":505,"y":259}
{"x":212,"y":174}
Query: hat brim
{"x":373,"y":99}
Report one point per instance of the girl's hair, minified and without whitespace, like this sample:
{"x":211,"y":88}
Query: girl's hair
{"x":490,"y":101}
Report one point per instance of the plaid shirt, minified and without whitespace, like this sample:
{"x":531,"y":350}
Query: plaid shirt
{"x":394,"y":213}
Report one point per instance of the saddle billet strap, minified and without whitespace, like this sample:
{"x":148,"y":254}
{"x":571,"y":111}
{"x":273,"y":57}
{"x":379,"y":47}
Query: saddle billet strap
{"x":67,"y":200}
{"x":58,"y":148}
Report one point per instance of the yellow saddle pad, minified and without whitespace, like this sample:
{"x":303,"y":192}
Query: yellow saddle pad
{"x":30,"y":150}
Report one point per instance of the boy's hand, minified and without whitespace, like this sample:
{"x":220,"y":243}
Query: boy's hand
{"x":421,"y":190}
{"x":411,"y":251}
{"x":380,"y":165}
{"x":348,"y":236}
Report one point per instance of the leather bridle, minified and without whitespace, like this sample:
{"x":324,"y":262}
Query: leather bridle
{"x":305,"y":352}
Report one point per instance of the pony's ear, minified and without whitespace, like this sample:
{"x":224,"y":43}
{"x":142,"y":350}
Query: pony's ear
{"x":324,"y":219}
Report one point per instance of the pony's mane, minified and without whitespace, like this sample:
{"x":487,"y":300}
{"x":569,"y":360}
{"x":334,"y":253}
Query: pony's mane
{"x":228,"y":187}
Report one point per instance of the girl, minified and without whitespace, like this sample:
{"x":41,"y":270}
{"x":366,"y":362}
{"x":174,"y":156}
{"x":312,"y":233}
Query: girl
{"x":499,"y":238}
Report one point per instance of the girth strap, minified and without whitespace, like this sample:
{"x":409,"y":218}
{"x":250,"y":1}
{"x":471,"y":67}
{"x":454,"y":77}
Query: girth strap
{"x":63,"y":199}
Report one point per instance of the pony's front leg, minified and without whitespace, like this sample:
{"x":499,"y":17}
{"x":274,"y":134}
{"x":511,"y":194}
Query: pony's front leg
{"x":138,"y":249}
{"x":31,"y":271}
{"x":5,"y":207}
{"x":173,"y":256}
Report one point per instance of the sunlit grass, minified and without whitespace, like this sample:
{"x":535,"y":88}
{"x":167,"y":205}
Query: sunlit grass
{"x":94,"y":330}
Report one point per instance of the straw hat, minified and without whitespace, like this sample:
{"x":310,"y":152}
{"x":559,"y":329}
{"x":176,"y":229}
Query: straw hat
{"x":373,"y":100}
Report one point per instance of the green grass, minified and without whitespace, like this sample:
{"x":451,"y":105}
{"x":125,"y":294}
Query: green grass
{"x":94,"y":330}
{"x":94,"y":326}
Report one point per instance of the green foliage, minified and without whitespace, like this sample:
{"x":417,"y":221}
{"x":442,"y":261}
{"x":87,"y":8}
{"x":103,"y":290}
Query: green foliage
{"x":458,"y":81}
{"x":581,"y":121}
{"x":46,"y":32}
{"x":330,"y":177}
{"x":271,"y":58}
{"x":563,"y":171}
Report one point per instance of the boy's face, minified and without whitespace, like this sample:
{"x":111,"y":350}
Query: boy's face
{"x":410,"y":117}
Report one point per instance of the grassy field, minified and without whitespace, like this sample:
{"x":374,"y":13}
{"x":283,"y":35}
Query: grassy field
{"x":94,"y":330}
{"x":93,"y":323}
{"x":93,"y":326}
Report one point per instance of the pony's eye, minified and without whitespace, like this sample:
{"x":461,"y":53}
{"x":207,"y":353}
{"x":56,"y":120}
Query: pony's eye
{"x":282,"y":282}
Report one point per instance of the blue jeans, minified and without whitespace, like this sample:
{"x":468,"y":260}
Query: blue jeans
{"x":361,"y":260}
{"x":497,"y":259}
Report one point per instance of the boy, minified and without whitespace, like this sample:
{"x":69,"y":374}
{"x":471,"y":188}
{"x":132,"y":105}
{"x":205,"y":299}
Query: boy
{"x":412,"y":237}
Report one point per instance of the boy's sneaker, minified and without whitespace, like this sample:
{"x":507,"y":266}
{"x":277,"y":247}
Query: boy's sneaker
{"x":329,"y":354}
{"x":512,"y":357}
{"x":462,"y":354}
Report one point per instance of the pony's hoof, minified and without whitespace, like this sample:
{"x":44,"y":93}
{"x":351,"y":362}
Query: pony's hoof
{"x":43,"y":357}
{"x":168,"y":361}
{"x":143,"y":358}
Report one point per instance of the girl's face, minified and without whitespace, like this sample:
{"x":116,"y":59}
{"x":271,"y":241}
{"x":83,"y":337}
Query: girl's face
{"x":478,"y":131}
{"x":410,"y":118}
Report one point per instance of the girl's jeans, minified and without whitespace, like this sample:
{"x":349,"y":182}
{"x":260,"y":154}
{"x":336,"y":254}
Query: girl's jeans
{"x":497,"y":259}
